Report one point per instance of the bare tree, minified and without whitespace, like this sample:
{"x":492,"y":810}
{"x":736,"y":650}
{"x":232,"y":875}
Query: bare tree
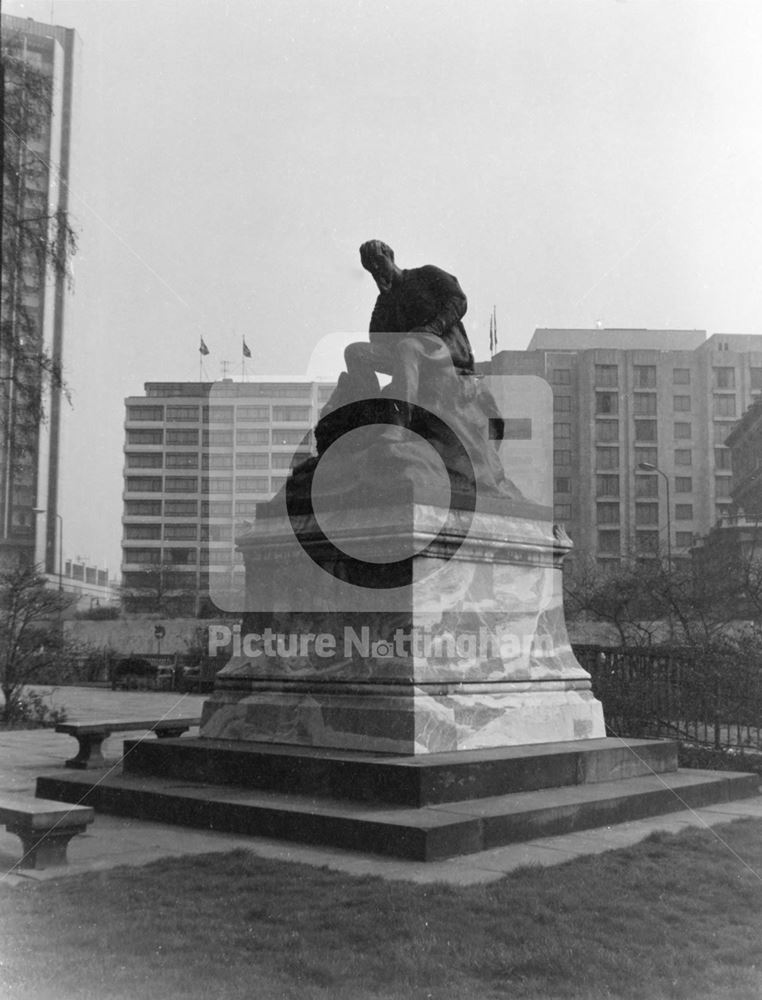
{"x":31,"y":637}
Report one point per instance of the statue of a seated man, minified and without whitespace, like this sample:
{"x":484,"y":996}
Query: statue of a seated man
{"x":415,"y":328}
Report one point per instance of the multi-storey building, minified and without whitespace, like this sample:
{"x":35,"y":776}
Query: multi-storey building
{"x":38,"y":64}
{"x":198,"y":459}
{"x":640,"y":423}
{"x":745,"y":443}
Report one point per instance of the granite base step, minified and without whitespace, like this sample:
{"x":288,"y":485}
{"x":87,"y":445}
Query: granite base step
{"x":414,"y":780}
{"x":424,"y":833}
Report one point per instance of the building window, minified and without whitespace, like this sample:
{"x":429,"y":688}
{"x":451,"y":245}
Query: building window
{"x":645,"y":430}
{"x":181,"y":484}
{"x":142,"y":508}
{"x":683,"y":539}
{"x":286,"y":461}
{"x":216,"y":533}
{"x":561,"y":430}
{"x":606,"y":376}
{"x":563,"y":484}
{"x":607,"y":513}
{"x":646,"y":486}
{"x":180,"y":414}
{"x":562,"y":404}
{"x":142,"y":556}
{"x":253,"y":414}
{"x":218,"y":414}
{"x":136,"y":460}
{"x":291,"y":413}
{"x":145,"y":437}
{"x":684,"y":512}
{"x":647,"y":455}
{"x":251,"y":484}
{"x":246,"y":508}
{"x":562,"y":511}
{"x":683,"y":430}
{"x":722,"y":486}
{"x":683,"y":456}
{"x":644,"y":404}
{"x":724,"y":378}
{"x":724,"y":406}
{"x":683,"y":484}
{"x":561,"y":457}
{"x":722,"y":510}
{"x":606,"y":403}
{"x":182,"y":460}
{"x":560,"y":376}
{"x":681,"y":376}
{"x":607,"y":458}
{"x":215,"y":508}
{"x":186,"y":532}
{"x":252,"y":435}
{"x":145,"y":531}
{"x":218,"y":460}
{"x":277,"y":482}
{"x":682,"y":404}
{"x":607,"y":486}
{"x":153,"y":413}
{"x":218,"y":439}
{"x":216,"y":484}
{"x":182,"y":436}
{"x":180,"y":508}
{"x":180,"y":557}
{"x":720,"y":431}
{"x":607,"y":431}
{"x":609,"y":542}
{"x":756,"y":378}
{"x":644,"y":376}
{"x":252,"y":460}
{"x":144,"y":484}
{"x":646,"y":513}
{"x":723,"y":459}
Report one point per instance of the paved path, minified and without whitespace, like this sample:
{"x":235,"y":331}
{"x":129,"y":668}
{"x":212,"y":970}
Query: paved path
{"x":112,"y":840}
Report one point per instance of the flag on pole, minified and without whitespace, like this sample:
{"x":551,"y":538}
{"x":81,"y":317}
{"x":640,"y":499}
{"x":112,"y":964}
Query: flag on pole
{"x":202,"y":348}
{"x":491,"y":336}
{"x":494,"y":330}
{"x":246,"y":351}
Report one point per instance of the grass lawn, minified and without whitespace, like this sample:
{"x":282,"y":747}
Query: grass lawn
{"x":678,"y":916}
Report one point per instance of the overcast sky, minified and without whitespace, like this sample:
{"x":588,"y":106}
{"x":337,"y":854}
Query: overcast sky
{"x":570,"y":161}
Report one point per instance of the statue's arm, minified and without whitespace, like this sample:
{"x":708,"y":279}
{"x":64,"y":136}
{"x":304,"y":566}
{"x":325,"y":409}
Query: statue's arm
{"x":450,"y":299}
{"x":380,"y":319}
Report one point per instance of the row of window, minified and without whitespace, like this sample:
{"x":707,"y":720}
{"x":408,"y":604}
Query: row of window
{"x":191,"y":460}
{"x":610,"y":513}
{"x":644,"y":405}
{"x":190,"y":508}
{"x":218,"y":414}
{"x":610,"y":541}
{"x":608,"y":457}
{"x":218,"y":439}
{"x":213,"y":484}
{"x":189,"y":556}
{"x":645,"y":486}
{"x":184,"y":532}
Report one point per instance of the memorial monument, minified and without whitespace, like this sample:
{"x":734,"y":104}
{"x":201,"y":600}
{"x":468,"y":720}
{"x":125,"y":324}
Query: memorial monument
{"x":401,"y":681}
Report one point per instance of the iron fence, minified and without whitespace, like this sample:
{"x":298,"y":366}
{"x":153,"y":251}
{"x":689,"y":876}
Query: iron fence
{"x":678,"y":694}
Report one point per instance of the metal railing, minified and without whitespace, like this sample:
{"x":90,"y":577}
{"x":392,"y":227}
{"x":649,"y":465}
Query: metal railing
{"x":678,"y":694}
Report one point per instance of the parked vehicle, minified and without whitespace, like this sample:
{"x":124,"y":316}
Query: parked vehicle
{"x":134,"y":673}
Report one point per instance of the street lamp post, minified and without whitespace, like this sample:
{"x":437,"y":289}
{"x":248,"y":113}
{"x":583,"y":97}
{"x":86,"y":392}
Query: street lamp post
{"x":649,"y":467}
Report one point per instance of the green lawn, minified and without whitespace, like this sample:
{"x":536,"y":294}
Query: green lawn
{"x":676,"y":916}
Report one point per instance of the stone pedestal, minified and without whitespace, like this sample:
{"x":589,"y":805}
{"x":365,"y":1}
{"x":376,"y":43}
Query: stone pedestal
{"x":470,"y":652}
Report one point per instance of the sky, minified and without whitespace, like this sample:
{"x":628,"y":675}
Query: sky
{"x":572,"y":162}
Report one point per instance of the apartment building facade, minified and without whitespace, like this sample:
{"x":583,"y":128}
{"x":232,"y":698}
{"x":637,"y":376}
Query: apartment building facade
{"x":641,"y":418}
{"x":36,"y":170}
{"x":198,"y":457}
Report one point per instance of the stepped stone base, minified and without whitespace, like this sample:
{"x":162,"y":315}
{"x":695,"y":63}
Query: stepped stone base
{"x":420,"y":808}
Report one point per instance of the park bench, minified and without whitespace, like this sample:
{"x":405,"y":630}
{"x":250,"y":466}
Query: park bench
{"x":45,"y":827}
{"x":92,"y":734}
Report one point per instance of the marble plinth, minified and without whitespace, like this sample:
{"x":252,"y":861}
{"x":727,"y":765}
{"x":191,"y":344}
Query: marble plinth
{"x":471,"y":653}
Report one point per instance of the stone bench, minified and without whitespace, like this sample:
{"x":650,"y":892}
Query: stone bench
{"x":45,"y":827}
{"x":92,"y":734}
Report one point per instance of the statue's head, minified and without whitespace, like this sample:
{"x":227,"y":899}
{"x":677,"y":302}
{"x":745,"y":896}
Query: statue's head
{"x":378,"y":258}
